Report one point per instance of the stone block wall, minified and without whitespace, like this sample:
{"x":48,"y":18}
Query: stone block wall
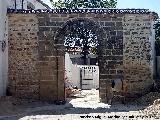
{"x":138,"y":57}
{"x":110,"y":34}
{"x":23,"y":56}
{"x":36,"y":52}
{"x":51,"y":57}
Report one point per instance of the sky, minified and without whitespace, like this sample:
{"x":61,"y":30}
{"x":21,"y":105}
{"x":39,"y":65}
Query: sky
{"x":152,"y":5}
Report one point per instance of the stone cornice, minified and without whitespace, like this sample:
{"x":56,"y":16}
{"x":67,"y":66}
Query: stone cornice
{"x":67,"y":11}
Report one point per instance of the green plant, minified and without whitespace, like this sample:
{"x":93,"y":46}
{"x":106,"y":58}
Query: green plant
{"x":74,"y":4}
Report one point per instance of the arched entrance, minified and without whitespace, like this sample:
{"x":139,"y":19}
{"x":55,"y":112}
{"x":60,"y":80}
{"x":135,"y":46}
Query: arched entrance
{"x":83,"y":37}
{"x":36,"y":50}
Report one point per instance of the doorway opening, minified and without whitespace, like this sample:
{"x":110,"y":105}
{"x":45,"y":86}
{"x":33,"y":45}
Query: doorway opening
{"x":81,"y":60}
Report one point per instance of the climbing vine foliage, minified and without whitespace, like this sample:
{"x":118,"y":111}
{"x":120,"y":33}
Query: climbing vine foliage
{"x":74,"y":4}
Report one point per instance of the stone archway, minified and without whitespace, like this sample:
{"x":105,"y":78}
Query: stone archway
{"x":40,"y":74}
{"x":90,"y":25}
{"x":64,"y":30}
{"x":110,"y":51}
{"x":36,"y":60}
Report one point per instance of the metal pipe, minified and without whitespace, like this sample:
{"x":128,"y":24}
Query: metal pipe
{"x":15,"y":3}
{"x":22,"y":3}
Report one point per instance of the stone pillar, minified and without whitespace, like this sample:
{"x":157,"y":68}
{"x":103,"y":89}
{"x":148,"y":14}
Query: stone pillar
{"x":23,"y":56}
{"x":137,"y":54}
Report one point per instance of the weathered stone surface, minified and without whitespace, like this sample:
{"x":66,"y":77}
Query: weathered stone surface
{"x":23,"y":56}
{"x":36,"y":52}
{"x":137,"y":58}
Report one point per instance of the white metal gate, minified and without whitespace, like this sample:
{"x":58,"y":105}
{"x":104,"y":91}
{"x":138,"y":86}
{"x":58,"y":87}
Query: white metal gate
{"x":89,"y":76}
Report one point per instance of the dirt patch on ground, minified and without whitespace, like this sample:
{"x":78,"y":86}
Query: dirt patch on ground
{"x":7,"y":106}
{"x":148,"y":99}
{"x":11,"y":106}
{"x":87,"y":104}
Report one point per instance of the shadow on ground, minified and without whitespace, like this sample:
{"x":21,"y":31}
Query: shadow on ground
{"x":10,"y":109}
{"x":34,"y":109}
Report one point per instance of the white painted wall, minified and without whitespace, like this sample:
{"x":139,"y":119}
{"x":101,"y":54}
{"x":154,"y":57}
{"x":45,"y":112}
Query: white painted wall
{"x":72,"y":71}
{"x":3,"y":55}
{"x":37,"y":4}
{"x":19,"y":4}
